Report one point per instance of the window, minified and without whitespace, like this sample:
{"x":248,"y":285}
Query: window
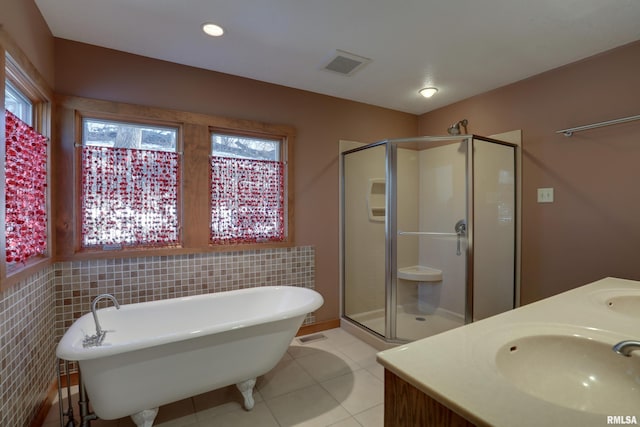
{"x":130,"y":181}
{"x":16,"y":102}
{"x":25,"y":169}
{"x":248,"y":192}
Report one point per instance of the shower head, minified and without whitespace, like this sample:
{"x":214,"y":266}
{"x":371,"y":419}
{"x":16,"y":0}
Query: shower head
{"x":454,"y":129}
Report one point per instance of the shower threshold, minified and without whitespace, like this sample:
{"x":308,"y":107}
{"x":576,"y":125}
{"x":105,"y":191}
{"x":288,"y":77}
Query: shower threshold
{"x":410,"y":325}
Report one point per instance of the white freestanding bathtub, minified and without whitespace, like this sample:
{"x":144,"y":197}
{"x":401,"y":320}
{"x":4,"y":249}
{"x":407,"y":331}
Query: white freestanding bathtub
{"x":159,"y":352}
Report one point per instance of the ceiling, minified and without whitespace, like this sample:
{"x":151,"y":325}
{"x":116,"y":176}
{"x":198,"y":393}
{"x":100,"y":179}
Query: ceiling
{"x":462,"y":47}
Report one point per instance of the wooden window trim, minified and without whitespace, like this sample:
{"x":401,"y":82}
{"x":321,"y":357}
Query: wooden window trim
{"x":18,"y":69}
{"x":286,"y":156}
{"x":80,"y":115}
{"x":195,"y":173}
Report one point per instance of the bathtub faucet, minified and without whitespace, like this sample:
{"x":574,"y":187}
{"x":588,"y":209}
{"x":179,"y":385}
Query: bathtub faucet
{"x":97,"y":339}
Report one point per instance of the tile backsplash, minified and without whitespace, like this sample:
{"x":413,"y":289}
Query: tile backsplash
{"x":35,"y":313}
{"x":133,"y":280}
{"x":27,"y":345}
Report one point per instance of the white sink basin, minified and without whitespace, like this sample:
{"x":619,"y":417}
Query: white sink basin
{"x":621,"y":301}
{"x":626,"y":304}
{"x":420,"y":273}
{"x":573,"y":371}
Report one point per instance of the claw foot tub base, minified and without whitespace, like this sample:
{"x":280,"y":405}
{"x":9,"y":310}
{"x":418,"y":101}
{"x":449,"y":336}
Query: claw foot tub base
{"x":145,"y":418}
{"x":246,"y":388}
{"x":216,"y":340}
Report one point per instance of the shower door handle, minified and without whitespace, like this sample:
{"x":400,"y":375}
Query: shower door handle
{"x":461,"y":231}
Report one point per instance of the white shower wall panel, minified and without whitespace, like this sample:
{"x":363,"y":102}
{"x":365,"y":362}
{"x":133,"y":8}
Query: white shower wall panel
{"x":442,"y":202}
{"x":407,"y":219}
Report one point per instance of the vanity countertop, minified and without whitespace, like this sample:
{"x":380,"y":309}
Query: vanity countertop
{"x":458,"y":368}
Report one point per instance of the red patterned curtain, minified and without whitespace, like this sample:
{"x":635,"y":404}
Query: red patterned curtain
{"x":247,"y":200}
{"x":129,"y":197}
{"x":26,"y":191}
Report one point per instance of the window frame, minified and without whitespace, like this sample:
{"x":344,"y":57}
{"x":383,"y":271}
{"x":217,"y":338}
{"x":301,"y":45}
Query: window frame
{"x":23,"y":76}
{"x":195,"y":196}
{"x":285,"y":156}
{"x":32,"y":90}
{"x":128,"y":250}
{"x":10,"y":87}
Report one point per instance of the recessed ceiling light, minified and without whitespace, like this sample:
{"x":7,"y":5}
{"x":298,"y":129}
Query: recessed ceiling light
{"x":428,"y":92}
{"x":212,"y":29}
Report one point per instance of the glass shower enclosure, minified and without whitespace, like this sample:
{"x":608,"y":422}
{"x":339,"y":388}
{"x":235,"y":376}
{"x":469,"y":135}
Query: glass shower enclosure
{"x":428,"y":234}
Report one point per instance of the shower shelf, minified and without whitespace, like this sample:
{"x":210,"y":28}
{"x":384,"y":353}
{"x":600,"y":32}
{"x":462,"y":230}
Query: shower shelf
{"x":376,"y":199}
{"x":425,"y":233}
{"x":420,"y":273}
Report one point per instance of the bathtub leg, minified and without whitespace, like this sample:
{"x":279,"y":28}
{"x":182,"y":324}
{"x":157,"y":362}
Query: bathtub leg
{"x":246,"y":388}
{"x":145,"y":418}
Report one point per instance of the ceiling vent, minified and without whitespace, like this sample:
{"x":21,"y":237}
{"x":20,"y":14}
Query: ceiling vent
{"x":345,"y":63}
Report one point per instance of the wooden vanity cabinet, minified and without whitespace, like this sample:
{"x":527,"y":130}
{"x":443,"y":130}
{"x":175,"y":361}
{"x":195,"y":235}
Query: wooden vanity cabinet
{"x":406,"y":406}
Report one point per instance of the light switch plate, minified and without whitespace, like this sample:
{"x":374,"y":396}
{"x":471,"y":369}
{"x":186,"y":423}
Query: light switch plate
{"x":545,"y":195}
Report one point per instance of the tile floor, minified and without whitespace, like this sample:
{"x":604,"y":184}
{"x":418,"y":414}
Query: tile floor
{"x":330,"y":382}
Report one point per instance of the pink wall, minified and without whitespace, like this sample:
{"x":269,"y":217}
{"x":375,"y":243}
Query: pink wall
{"x":589,"y":232}
{"x":320,"y":122}
{"x":592,"y":229}
{"x":28,"y":359}
{"x":23,"y":22}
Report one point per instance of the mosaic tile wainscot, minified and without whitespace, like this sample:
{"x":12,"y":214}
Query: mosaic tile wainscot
{"x":27,"y":347}
{"x":133,"y":280}
{"x":35,"y":313}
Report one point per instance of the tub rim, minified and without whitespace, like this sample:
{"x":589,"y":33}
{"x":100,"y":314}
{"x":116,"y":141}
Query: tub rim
{"x":70,"y":346}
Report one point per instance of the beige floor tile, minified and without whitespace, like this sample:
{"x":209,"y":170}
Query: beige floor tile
{"x":286,"y":377}
{"x":373,"y":417}
{"x":361,"y":353}
{"x":175,"y":410}
{"x":357,"y":391}
{"x":259,"y":416}
{"x":320,"y":383}
{"x":184,"y":421}
{"x":325,"y":365}
{"x":377,"y":370}
{"x":285,"y":356}
{"x":298,"y":349}
{"x":310,"y":407}
{"x":224,"y":399}
{"x":339,"y":337}
{"x":349,"y":422}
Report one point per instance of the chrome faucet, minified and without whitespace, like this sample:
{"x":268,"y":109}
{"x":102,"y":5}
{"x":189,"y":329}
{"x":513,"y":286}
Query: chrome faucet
{"x":93,"y":340}
{"x":626,"y":347}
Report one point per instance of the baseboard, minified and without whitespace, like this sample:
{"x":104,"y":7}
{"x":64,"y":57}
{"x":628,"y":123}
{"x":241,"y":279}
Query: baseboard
{"x":318,"y":326}
{"x":46,"y":405}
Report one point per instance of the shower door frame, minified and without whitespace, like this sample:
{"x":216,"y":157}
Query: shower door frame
{"x":343,"y":314}
{"x":391,"y":231}
{"x":469,"y":303}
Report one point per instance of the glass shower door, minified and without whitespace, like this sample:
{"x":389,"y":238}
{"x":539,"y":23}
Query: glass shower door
{"x":494,"y":232}
{"x":429,"y":234}
{"x":364,"y":215}
{"x":431,"y":257}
